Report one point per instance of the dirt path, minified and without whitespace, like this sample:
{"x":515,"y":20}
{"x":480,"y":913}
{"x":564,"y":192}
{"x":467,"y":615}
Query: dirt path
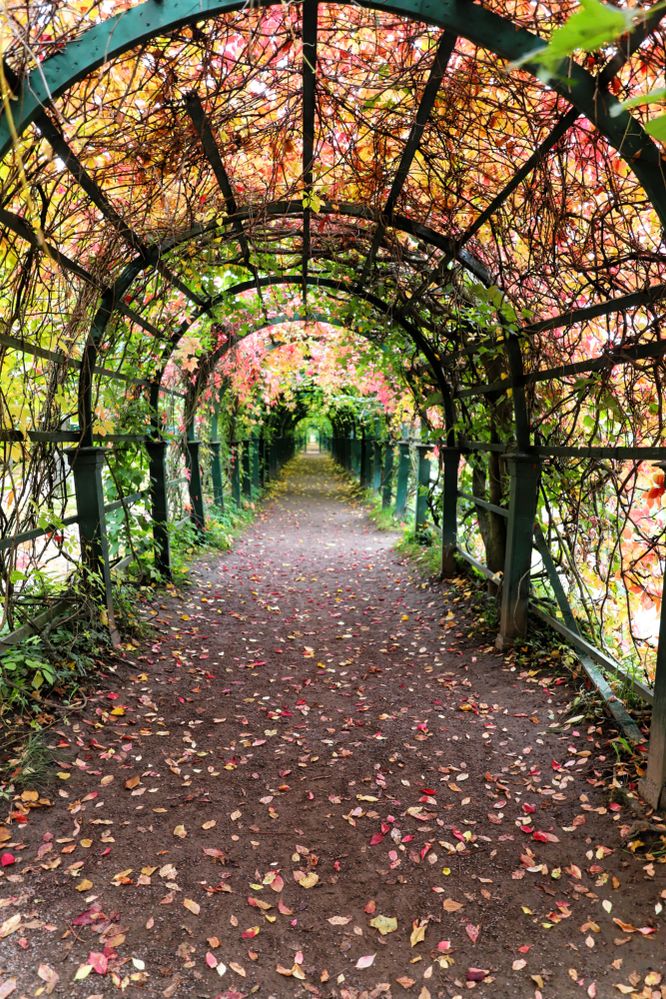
{"x":318,"y":777}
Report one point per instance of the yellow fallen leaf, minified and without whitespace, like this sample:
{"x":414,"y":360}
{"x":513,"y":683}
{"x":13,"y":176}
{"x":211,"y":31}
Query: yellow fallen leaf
{"x":385,"y":924}
{"x":308,"y":880}
{"x":10,"y":925}
{"x":180,"y":831}
{"x":192,"y":906}
{"x":84,"y":885}
{"x":419,"y":927}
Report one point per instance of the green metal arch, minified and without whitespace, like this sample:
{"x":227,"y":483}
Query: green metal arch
{"x":483,"y":27}
{"x":315,"y":280}
{"x":209,"y":360}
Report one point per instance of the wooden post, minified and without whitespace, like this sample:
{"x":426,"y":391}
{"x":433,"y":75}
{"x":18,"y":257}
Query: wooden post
{"x":524,"y":470}
{"x":450,"y":463}
{"x":159,"y":504}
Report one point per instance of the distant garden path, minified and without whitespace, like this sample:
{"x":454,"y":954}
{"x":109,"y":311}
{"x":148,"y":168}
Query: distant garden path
{"x":318,"y":777}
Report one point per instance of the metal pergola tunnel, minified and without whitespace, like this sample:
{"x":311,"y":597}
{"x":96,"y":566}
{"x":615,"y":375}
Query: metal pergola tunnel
{"x":182,"y":177}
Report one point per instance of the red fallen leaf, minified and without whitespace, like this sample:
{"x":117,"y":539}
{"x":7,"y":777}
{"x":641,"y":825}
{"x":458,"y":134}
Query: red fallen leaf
{"x":428,"y":790}
{"x":476,"y":974}
{"x":89,"y":916}
{"x":544,"y":837}
{"x":529,"y":809}
{"x":376,"y":838}
{"x":98,"y":962}
{"x":555,"y":765}
{"x":7,"y":859}
{"x":284,"y":909}
{"x":472,"y":932}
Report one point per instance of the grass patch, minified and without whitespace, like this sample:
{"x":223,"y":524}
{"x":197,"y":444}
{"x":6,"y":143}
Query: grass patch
{"x":422,"y":549}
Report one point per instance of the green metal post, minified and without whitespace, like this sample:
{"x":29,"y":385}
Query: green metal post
{"x":450,"y":463}
{"x":376,"y":464}
{"x":246,"y":465}
{"x":235,"y":474}
{"x":524,"y":471}
{"x":256,"y":468}
{"x":653,"y":785}
{"x":263,"y":466}
{"x":364,"y":471}
{"x":402,"y":485}
{"x":195,"y":486}
{"x":87,"y":464}
{"x":356,"y":456}
{"x":216,"y":475}
{"x":387,"y":483}
{"x":423,"y":480}
{"x":159,"y":504}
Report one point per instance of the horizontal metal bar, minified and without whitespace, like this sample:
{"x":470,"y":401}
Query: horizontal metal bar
{"x":40,"y":436}
{"x":479,"y":566}
{"x":37,"y":532}
{"x":125,"y":500}
{"x":168,"y":391}
{"x":484,"y":504}
{"x":653,"y":351}
{"x":649,"y":296}
{"x":122,"y":438}
{"x":57,"y":357}
{"x":66,"y":437}
{"x":40,"y":621}
{"x":647,"y":453}
{"x":602,"y":658}
{"x":482,"y":446}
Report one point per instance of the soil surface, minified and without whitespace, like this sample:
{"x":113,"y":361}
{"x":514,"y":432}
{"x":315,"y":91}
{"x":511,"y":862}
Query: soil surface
{"x":318,"y":777}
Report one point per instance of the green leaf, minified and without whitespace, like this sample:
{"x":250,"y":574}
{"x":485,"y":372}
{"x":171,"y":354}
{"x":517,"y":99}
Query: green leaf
{"x":657,"y":128}
{"x":657,"y":96}
{"x":592,"y":26}
{"x":434,"y":399}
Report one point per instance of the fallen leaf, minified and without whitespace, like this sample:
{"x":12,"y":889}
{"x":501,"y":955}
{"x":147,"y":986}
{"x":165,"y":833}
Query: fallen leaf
{"x":419,"y":927}
{"x":48,"y":975}
{"x":385,"y":924}
{"x":366,"y":961}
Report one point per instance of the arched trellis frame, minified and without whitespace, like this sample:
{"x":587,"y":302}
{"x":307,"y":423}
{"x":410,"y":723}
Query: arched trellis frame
{"x":587,"y":95}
